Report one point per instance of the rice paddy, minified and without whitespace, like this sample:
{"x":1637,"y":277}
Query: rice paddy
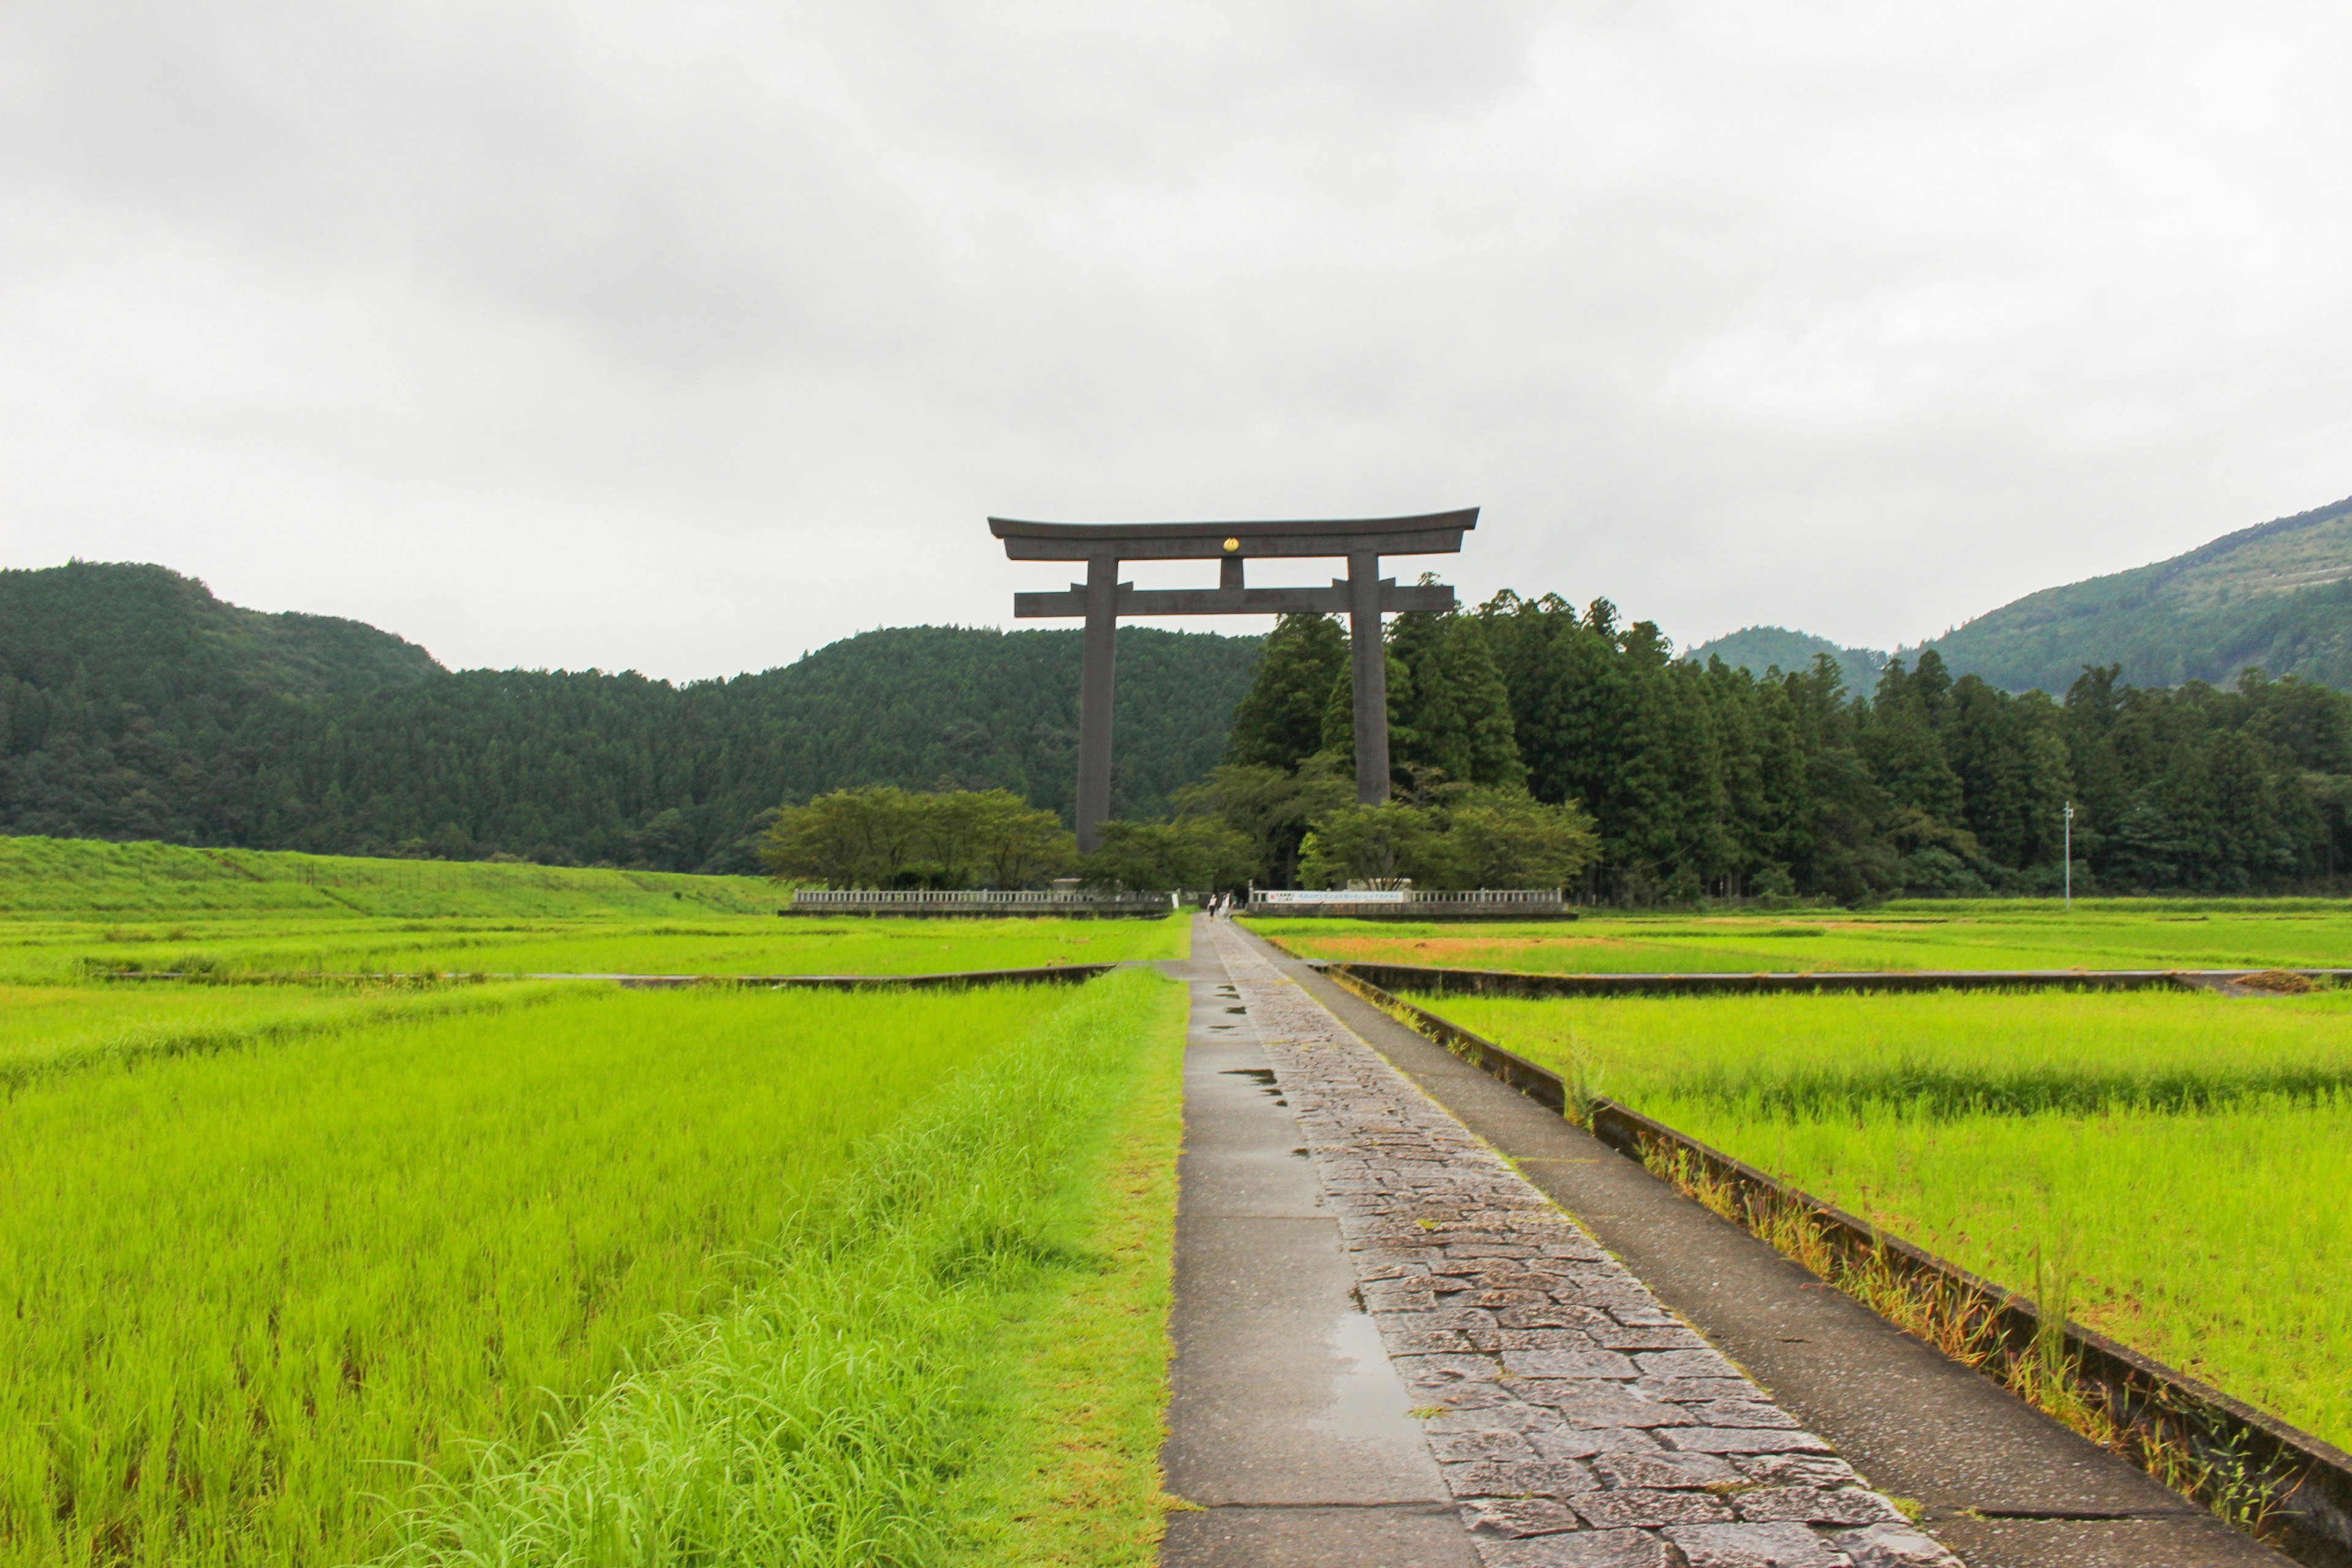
{"x":2116,"y":933}
{"x":525,"y":1271}
{"x":2176,"y":1163}
{"x":69,"y":911}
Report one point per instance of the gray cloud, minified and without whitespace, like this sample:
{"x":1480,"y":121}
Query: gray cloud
{"x":686,"y":338}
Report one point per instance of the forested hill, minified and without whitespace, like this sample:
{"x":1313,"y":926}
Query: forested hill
{"x":1759,"y":649}
{"x":135,"y":705}
{"x":2278,"y":595}
{"x":147,"y":636}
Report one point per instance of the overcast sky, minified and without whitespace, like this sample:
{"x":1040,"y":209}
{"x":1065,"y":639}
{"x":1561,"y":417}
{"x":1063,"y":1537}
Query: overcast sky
{"x":688,"y":337}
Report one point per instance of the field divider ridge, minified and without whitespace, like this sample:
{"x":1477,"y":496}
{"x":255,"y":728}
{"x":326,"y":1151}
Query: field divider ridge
{"x":2250,"y":1467}
{"x":1049,"y":974}
{"x":1519,"y":982}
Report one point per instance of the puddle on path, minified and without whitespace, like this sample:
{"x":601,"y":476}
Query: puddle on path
{"x":1368,"y":1399}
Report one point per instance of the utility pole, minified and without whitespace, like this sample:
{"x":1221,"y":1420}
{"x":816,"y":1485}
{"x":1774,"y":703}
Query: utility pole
{"x":2070,"y":857}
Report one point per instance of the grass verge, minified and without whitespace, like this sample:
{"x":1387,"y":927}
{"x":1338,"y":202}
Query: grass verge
{"x":1076,"y":1480}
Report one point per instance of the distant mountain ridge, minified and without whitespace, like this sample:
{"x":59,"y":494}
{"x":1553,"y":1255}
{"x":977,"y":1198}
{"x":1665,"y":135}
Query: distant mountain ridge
{"x":2278,"y":594}
{"x":133,"y":704}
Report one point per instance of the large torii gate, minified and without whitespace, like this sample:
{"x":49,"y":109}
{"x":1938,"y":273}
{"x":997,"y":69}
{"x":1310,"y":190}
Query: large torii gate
{"x":1362,"y":595}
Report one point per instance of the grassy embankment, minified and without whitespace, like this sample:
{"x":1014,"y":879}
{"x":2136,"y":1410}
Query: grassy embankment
{"x":71,"y":908}
{"x":2114,"y":933}
{"x":301,"y":1275}
{"x":2174,"y":1165}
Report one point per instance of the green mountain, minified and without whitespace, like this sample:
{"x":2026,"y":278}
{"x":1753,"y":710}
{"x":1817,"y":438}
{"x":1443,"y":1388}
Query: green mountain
{"x":149,"y":635}
{"x":2278,"y":595}
{"x":1758,"y":648}
{"x":135,"y":705}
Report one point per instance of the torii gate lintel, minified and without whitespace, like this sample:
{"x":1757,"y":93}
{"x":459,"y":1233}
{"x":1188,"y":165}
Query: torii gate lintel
{"x":1363,"y":596}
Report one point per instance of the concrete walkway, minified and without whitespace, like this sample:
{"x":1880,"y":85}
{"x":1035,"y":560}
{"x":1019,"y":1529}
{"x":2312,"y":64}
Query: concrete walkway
{"x":2002,"y":1483}
{"x":1289,"y":1431}
{"x":1392,"y":1350}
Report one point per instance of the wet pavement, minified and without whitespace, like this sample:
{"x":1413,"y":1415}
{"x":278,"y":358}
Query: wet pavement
{"x":1391,"y":1350}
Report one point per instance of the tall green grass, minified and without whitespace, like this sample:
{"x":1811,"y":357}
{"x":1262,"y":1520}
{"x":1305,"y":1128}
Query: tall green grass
{"x":832,"y":1413}
{"x":2109,"y":934}
{"x":2187,"y":1153}
{"x":2218,"y":1241}
{"x":88,"y":878}
{"x":1936,"y":1054}
{"x":45,"y":1030}
{"x":244,"y":1293}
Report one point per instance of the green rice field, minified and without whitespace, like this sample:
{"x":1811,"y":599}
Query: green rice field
{"x":70,"y":909}
{"x":2182,"y":1159}
{"x":2113,"y":933}
{"x":556,"y":1271}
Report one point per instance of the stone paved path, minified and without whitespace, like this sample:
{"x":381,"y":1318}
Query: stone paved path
{"x":1576,"y":1423}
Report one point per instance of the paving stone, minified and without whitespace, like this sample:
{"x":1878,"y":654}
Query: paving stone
{"x":1437,"y":1371}
{"x":1743,"y":1440}
{"x":1543,"y":1340}
{"x":1523,"y":1477}
{"x":1648,"y":1509}
{"x":1458,"y":1447}
{"x":1797,"y":1470}
{"x":1737,"y":1413}
{"x":1394,"y":1298}
{"x":1754,"y":1546}
{"x":1578,"y":1363}
{"x":1584,"y":1442}
{"x":1549,"y":1316}
{"x":1582,"y":1548}
{"x":1617,"y":1336}
{"x":1457,"y":1316}
{"x":1511,"y":1516}
{"x":1684,"y":1363}
{"x":1699,"y":1390}
{"x":1591,"y":1402}
{"x":1505,"y":1415}
{"x":1666,"y":1470}
{"x":1811,"y":1505}
{"x":1466,"y":1395}
{"x":1895,"y":1546}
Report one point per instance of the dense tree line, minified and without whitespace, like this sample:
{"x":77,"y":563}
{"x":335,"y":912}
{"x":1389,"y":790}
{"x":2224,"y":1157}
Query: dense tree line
{"x":135,"y":705}
{"x":1710,"y":780}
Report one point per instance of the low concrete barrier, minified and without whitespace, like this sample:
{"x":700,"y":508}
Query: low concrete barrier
{"x":1405,"y":904}
{"x":1062,"y":905}
{"x":1446,"y":981}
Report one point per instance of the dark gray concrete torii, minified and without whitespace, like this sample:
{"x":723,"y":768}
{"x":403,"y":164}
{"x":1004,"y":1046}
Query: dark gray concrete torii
{"x":1362,"y":595}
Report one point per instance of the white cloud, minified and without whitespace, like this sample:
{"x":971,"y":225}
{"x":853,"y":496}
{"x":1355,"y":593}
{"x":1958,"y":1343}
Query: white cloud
{"x":688,"y":338}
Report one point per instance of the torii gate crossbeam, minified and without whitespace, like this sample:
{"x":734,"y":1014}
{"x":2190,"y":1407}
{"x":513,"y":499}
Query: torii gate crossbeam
{"x":1363,"y":596}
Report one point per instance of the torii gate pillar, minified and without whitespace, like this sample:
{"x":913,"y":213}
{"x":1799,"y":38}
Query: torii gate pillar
{"x":1363,"y":596}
